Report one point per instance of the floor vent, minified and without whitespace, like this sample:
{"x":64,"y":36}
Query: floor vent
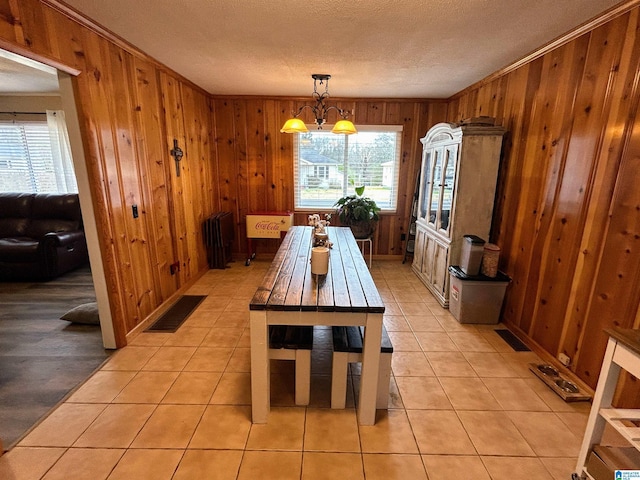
{"x":171,"y":320}
{"x":513,"y":341}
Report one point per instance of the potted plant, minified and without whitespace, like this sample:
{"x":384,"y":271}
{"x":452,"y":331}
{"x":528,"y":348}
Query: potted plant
{"x":358,"y":212}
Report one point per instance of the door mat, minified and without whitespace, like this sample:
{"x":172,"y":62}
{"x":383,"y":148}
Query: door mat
{"x":512,"y":340}
{"x":171,"y":320}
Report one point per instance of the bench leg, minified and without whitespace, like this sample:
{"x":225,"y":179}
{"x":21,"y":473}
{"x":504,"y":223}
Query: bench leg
{"x":340,"y":363}
{"x":303,"y":376}
{"x":382,"y":401}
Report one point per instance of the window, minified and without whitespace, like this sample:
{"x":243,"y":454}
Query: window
{"x":329,"y":166}
{"x":30,"y":159}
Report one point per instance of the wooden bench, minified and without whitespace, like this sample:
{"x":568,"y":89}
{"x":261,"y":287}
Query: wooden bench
{"x":347,"y":348}
{"x":290,"y":342}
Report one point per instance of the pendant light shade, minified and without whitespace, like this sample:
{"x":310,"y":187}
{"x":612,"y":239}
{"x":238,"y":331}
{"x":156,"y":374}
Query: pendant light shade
{"x":320,"y":110}
{"x":345,"y":127}
{"x":294,"y":125}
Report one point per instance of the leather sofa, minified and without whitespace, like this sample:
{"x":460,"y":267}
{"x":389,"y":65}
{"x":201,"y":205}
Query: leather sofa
{"x":41,"y":236}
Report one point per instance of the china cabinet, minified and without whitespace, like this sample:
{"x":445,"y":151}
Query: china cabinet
{"x":456,"y":196}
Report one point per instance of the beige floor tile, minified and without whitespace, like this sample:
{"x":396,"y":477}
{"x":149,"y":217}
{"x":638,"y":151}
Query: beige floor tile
{"x":192,"y":388}
{"x":391,"y":434}
{"x":84,"y":464}
{"x":28,"y":463}
{"x":515,"y":394}
{"x":440,"y":432}
{"x":468,"y":394}
{"x":169,"y":359}
{"x":392,"y":308}
{"x":446,"y":467}
{"x":223,"y":337}
{"x":142,"y":464}
{"x":170,"y":426}
{"x":448,"y":322}
{"x":223,"y":427}
{"x":515,"y":468}
{"x":450,"y":364}
{"x":147,"y":387}
{"x":422,"y":393}
{"x":560,"y":468}
{"x":209,"y":359}
{"x":130,"y":358}
{"x":234,"y":318}
{"x":487,"y":364}
{"x":240,"y":361}
{"x":150,"y":339}
{"x":102,"y":387}
{"x":187,"y":336}
{"x":116,"y":426}
{"x":426,"y":322}
{"x":245,"y":339}
{"x":415,"y":307}
{"x":436,"y":342}
{"x":411,"y":364}
{"x":404,"y":342}
{"x":330,"y":430}
{"x":202,"y":319}
{"x":546,"y":433}
{"x":496,"y":341}
{"x":395,"y":323}
{"x":280,"y":465}
{"x":470,"y":342}
{"x":493,"y":433}
{"x":519,"y":362}
{"x":233,"y":389}
{"x":63,"y":426}
{"x":393,"y":467}
{"x":332,"y":466}
{"x":284,"y":430}
{"x":209,"y":464}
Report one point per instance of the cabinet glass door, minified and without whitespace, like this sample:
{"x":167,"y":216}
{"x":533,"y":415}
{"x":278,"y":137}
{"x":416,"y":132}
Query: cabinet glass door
{"x":425,"y":185}
{"x":435,"y":191}
{"x":447,"y":185}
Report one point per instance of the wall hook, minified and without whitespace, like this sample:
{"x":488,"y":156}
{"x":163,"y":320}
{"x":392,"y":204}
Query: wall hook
{"x":177,"y":153}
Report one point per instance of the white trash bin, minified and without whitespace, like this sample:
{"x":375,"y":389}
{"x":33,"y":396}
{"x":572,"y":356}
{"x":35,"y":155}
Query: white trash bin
{"x":476,"y":299}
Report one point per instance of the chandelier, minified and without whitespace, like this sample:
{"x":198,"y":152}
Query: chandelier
{"x":320,"y":110}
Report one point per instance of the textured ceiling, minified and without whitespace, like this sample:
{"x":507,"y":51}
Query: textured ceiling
{"x":372,"y":48}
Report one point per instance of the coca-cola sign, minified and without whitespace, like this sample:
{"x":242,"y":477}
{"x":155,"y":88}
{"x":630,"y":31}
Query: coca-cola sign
{"x":268,"y":226}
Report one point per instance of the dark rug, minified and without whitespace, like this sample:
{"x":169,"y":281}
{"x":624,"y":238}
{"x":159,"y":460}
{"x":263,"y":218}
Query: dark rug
{"x":513,"y":341}
{"x":171,"y":320}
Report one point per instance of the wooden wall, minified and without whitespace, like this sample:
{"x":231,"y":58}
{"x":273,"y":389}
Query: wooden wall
{"x":567,"y":216}
{"x":131,"y":109}
{"x":568,"y":212}
{"x":256,"y":160}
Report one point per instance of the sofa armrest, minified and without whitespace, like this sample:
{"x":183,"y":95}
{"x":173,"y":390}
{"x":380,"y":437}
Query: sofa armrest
{"x":61,"y":239}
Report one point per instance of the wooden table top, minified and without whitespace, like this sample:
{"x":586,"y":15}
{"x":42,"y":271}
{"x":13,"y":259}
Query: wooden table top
{"x":289,"y":284}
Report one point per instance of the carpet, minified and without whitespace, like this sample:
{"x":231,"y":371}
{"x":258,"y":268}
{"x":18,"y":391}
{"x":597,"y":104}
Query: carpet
{"x":171,"y":320}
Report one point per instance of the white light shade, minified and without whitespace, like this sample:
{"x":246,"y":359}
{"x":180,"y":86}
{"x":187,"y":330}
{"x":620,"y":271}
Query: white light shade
{"x":345,"y":127}
{"x":294,"y":125}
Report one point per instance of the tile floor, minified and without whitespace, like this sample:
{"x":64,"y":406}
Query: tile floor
{"x":177,"y":406}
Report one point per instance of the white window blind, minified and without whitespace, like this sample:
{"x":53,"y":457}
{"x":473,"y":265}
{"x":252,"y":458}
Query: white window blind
{"x":26,"y":159}
{"x":329,"y":166}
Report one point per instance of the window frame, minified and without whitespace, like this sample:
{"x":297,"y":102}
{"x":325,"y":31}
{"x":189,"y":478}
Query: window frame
{"x":348,"y":189}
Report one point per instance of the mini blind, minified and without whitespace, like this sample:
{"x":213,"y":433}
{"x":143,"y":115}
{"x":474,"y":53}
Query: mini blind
{"x":26,"y":163}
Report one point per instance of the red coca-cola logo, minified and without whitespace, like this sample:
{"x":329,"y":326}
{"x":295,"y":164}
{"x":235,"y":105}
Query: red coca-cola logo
{"x":266,"y":225}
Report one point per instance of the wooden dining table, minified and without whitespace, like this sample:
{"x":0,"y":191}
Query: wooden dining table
{"x":291,"y":295}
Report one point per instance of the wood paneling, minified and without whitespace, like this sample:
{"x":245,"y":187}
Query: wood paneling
{"x":256,"y":160}
{"x":568,"y":210}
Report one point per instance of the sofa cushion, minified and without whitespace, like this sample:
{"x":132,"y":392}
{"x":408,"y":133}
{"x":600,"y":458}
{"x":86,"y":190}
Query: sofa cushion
{"x":37,"y":228}
{"x":18,"y":249}
{"x":13,"y":227}
{"x":16,"y":205}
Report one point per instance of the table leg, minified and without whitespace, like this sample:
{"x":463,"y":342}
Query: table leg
{"x":370,"y":369}
{"x":260,"y":378}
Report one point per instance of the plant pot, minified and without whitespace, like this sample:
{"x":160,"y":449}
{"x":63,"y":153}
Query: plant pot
{"x":362,"y":229}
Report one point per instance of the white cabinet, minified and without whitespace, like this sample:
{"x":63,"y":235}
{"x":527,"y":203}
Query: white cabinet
{"x":623,"y":353}
{"x":456,"y":195}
